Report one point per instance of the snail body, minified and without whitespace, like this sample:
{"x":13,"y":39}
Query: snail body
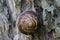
{"x":28,"y":22}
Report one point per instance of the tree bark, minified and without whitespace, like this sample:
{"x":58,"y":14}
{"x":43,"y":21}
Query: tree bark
{"x":48,"y":12}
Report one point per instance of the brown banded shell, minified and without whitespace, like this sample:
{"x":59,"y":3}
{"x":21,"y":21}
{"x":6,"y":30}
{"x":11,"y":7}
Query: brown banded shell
{"x":28,"y":22}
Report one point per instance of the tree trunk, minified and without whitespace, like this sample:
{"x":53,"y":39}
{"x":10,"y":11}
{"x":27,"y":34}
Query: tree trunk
{"x":48,"y":12}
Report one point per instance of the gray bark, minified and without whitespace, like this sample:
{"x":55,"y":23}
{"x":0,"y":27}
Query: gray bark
{"x":49,"y":16}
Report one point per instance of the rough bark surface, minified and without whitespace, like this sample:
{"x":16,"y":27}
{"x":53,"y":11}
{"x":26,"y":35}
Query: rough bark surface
{"x":48,"y":12}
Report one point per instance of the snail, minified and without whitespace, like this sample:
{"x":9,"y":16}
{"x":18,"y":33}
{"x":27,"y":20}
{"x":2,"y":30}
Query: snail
{"x":28,"y":22}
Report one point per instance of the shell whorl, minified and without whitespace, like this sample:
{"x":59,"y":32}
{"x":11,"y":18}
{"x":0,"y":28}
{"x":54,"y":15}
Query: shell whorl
{"x":28,"y":22}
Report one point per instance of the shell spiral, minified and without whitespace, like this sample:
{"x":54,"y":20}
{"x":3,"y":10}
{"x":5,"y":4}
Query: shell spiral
{"x":28,"y":22}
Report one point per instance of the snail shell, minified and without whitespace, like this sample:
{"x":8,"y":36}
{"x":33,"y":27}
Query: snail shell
{"x":28,"y":22}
